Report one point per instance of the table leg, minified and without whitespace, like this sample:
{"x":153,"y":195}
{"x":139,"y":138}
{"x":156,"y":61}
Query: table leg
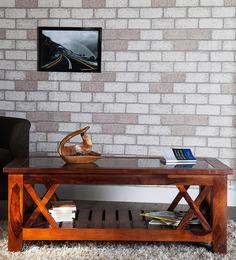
{"x":219,"y":215}
{"x":15,"y":212}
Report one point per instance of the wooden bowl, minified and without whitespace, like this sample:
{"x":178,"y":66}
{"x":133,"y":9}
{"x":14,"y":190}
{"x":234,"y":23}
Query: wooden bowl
{"x":68,"y":152}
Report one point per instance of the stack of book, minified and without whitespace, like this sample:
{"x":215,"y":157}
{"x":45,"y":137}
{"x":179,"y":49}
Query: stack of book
{"x":167,"y":218}
{"x":63,"y":211}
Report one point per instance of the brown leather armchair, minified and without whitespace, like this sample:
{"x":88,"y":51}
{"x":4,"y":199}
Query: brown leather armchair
{"x":14,"y":143}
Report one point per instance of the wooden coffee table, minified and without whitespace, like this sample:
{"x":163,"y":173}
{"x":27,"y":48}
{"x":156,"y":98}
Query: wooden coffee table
{"x":25,"y":206}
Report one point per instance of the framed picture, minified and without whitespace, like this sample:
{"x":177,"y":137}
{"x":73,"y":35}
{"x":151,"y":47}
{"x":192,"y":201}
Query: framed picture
{"x":69,"y":49}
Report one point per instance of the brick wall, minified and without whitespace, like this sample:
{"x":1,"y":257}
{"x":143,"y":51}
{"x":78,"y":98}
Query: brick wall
{"x":168,"y":75}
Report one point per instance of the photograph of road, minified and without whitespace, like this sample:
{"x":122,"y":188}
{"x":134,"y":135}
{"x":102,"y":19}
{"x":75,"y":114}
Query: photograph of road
{"x":63,"y":49}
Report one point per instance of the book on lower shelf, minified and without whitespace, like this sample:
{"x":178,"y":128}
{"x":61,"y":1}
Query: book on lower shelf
{"x":63,"y":211}
{"x":178,"y":156}
{"x":167,"y":218}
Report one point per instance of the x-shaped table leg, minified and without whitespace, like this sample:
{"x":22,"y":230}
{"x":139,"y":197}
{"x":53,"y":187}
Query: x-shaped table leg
{"x":41,"y":205}
{"x":194,"y":208}
{"x":177,"y":199}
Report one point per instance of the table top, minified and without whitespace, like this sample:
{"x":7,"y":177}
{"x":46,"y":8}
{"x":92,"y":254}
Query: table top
{"x":116,"y":165}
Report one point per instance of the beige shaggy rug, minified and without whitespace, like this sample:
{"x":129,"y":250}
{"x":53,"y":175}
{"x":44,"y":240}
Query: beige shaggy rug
{"x":116,"y":250}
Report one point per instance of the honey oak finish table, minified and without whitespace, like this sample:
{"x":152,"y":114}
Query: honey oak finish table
{"x":25,"y":206}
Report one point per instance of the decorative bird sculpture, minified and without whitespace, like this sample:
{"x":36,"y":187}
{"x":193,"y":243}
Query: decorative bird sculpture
{"x":86,"y":146}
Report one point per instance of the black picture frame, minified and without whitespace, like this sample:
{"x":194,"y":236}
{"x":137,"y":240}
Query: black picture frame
{"x":69,"y":49}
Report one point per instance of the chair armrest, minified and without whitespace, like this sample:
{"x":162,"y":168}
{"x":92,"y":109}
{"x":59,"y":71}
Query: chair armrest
{"x":19,"y":139}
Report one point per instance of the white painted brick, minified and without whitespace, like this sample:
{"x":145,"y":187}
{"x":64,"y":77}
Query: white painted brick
{"x":105,"y":13}
{"x":40,"y":137}
{"x":171,"y":140}
{"x":80,"y":97}
{"x":162,"y":23}
{"x":208,"y":88}
{"x":150,"y":77}
{"x":70,"y":86}
{"x":138,"y":66}
{"x":208,"y":110}
{"x":194,"y":141}
{"x":229,"y":45}
{"x":116,"y":3}
{"x":126,"y":56}
{"x":47,"y":106}
{"x":159,"y":130}
{"x":115,"y":66}
{"x":150,"y":12}
{"x":126,"y":97}
{"x":136,"y":129}
{"x":87,"y":107}
{"x":221,"y":78}
{"x":124,"y":139}
{"x":103,"y":97}
{"x":7,"y":105}
{"x":16,"y":34}
{"x":205,"y":151}
{"x":150,"y":56}
{"x":210,"y":23}
{"x":26,"y":65}
{"x":229,"y":23}
{"x":197,"y":56}
{"x":128,"y":13}
{"x":47,"y":85}
{"x":14,"y":95}
{"x":196,"y":98}
{"x":135,"y":150}
{"x":15,"y":75}
{"x":219,"y":142}
{"x":7,"y":23}
{"x":228,"y":67}
{"x":186,"y":23}
{"x":149,"y":119}
{"x":37,"y":96}
{"x":223,"y":12}
{"x":82,"y":13}
{"x":68,"y":127}
{"x":222,"y":56}
{"x":114,"y":108}
{"x":137,"y":108}
{"x":220,"y":120}
{"x":184,"y":109}
{"x":151,"y":35}
{"x":148,"y":140}
{"x":140,"y":3}
{"x":174,"y":12}
{"x":223,"y":34}
{"x":139,"y":23}
{"x":31,"y":55}
{"x":116,"y":24}
{"x":98,"y":23}
{"x":7,"y":65}
{"x":37,"y":13}
{"x":15,"y":13}
{"x":185,"y":66}
{"x":227,"y":132}
{"x":162,"y":45}
{"x":81,"y":117}
{"x":209,"y":67}
{"x":184,"y":88}
{"x":149,"y":98}
{"x":8,"y":3}
{"x":114,"y":87}
{"x":212,"y":2}
{"x":26,"y":24}
{"x":220,"y":99}
{"x":58,"y":76}
{"x":197,"y":77}
{"x":46,"y":3}
{"x":173,"y":56}
{"x":108,"y":56}
{"x":78,"y":76}
{"x":7,"y":44}
{"x":126,"y":76}
{"x":189,"y":3}
{"x":102,"y":139}
{"x":172,"y":98}
{"x":70,"y":23}
{"x":160,"y":109}
{"x":207,"y":131}
{"x":60,"y":13}
{"x":138,"y":87}
{"x":48,"y":22}
{"x":25,"y":106}
{"x":113,"y":149}
{"x":59,"y":96}
{"x":210,"y":45}
{"x":71,"y":3}
{"x":162,"y":66}
{"x":69,"y":106}
{"x":24,"y":45}
{"x":48,"y":147}
{"x":227,"y":153}
{"x":15,"y":55}
{"x":7,"y":85}
{"x":199,"y":12}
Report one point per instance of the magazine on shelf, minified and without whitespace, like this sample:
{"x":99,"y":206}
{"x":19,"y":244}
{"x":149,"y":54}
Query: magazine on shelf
{"x":178,"y":156}
{"x":63,"y":211}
